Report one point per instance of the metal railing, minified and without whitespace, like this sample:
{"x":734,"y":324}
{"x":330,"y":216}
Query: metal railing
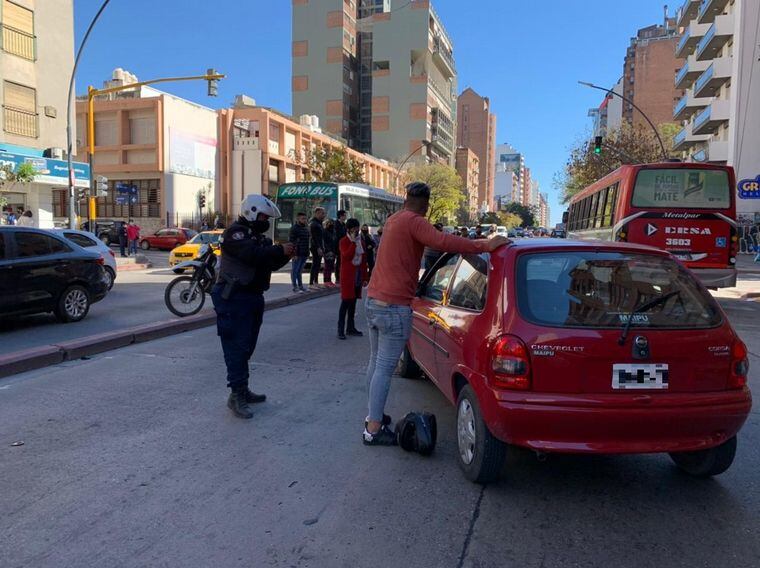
{"x":21,"y":122}
{"x":703,"y":79}
{"x":18,"y":43}
{"x":702,"y":117}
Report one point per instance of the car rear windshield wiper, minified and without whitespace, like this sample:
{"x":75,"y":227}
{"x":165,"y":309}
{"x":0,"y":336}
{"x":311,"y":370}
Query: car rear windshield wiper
{"x":644,"y":308}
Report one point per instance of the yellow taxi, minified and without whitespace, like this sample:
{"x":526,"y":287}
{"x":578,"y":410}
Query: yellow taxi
{"x":189,"y":251}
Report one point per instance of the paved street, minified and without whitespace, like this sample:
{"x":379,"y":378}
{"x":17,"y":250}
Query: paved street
{"x":132,"y":459}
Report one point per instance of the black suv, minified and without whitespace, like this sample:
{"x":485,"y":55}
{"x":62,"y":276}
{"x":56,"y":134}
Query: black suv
{"x":108,"y":231}
{"x":42,"y":272}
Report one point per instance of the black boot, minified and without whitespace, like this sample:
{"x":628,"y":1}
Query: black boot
{"x":239,"y":405}
{"x":354,"y":332}
{"x":253,"y":398}
{"x":341,"y":333}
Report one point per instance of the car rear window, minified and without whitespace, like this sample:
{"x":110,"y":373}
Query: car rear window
{"x":605,"y":289}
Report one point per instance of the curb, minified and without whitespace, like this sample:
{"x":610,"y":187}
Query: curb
{"x":39,"y":357}
{"x":129,"y":267}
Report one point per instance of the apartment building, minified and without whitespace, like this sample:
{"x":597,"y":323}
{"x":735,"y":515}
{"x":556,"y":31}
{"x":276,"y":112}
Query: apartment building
{"x":720,"y":110}
{"x":510,"y":174}
{"x":36,"y":58}
{"x":261,"y":148}
{"x":543,"y":217}
{"x":158,"y":151}
{"x":468,"y":168}
{"x":476,"y":129}
{"x":380,"y":75}
{"x":651,"y":61}
{"x":529,"y":190}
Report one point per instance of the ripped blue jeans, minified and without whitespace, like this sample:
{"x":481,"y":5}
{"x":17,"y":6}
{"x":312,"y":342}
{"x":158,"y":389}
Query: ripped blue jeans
{"x":389,"y":327}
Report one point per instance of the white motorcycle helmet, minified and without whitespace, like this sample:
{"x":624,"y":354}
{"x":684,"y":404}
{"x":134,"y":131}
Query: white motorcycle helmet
{"x":254,"y":204}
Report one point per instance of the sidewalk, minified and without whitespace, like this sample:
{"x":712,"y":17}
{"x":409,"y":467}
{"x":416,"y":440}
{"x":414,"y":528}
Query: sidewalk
{"x":745,"y":264}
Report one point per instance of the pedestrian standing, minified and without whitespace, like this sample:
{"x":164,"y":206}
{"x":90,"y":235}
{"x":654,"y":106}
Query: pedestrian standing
{"x":353,"y":278}
{"x":299,"y":236}
{"x":340,"y":232}
{"x":316,"y":232}
{"x":368,"y":242}
{"x":431,"y":255}
{"x":121,"y":232}
{"x":133,"y":236}
{"x":390,"y":293}
{"x":11,"y":216}
{"x":26,"y":219}
{"x":245,"y":271}
{"x":331,"y":251}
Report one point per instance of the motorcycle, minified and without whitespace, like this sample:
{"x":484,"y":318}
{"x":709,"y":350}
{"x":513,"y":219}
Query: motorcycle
{"x":185,"y":295}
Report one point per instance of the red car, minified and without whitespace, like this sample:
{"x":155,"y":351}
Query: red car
{"x":167,"y":239}
{"x":580,"y":347}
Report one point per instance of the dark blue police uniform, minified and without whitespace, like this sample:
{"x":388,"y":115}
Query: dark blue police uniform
{"x":246,"y":264}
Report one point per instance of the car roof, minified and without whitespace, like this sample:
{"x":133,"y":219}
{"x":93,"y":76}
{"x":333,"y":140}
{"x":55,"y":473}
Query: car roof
{"x":543,"y":245}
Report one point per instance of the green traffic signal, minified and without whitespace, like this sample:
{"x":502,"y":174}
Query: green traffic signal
{"x":597,"y":145}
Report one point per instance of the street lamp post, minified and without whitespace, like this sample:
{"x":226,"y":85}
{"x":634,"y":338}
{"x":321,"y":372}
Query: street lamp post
{"x":424,"y":144}
{"x":630,"y":102}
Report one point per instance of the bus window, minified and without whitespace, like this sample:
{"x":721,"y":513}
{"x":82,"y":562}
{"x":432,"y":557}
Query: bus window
{"x":592,"y":215}
{"x":609,"y":208}
{"x":600,"y":208}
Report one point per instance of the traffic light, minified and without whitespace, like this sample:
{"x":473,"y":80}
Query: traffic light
{"x":598,"y":145}
{"x":212,"y":83}
{"x":101,"y":186}
{"x":201,"y":201}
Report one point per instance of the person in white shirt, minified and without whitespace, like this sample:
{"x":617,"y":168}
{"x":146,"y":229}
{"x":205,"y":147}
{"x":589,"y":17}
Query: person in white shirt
{"x":25,"y":220}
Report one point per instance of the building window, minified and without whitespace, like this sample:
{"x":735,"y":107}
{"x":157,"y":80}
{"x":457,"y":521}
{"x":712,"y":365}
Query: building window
{"x":20,"y":110}
{"x":148,"y":200}
{"x":18,"y":30}
{"x":381,"y":65}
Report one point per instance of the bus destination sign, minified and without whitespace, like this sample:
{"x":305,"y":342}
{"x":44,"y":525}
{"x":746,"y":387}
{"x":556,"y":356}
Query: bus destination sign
{"x":301,"y":190}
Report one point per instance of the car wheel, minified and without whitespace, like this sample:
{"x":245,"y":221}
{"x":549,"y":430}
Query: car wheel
{"x":407,"y":368}
{"x":73,"y":304}
{"x":110,"y":276}
{"x":481,"y":455}
{"x":706,"y":463}
{"x":145,"y":245}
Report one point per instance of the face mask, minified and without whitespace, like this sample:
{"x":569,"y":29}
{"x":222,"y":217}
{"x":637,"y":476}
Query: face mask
{"x":260,"y":226}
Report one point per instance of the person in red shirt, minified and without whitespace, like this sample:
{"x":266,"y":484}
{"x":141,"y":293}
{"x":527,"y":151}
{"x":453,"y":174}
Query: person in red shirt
{"x":353,"y":276}
{"x":390,"y":293}
{"x":133,"y":235}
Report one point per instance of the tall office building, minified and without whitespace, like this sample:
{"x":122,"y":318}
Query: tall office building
{"x":650,"y":63}
{"x":720,"y":110}
{"x":509,"y":160}
{"x":476,"y":129}
{"x":378,"y":73}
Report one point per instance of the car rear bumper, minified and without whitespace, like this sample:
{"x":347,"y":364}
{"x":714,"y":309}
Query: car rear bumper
{"x":618,"y":423}
{"x":716,"y":277}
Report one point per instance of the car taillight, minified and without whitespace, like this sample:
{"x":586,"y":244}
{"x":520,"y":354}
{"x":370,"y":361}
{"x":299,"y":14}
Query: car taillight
{"x":112,"y":253}
{"x":510,"y":363}
{"x":739,"y":366}
{"x":101,"y":261}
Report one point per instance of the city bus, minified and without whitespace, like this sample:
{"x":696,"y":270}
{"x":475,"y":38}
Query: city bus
{"x":688,"y":209}
{"x":368,"y":204}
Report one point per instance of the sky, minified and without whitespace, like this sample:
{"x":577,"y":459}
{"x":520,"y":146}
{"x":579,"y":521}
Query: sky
{"x":526,"y":56}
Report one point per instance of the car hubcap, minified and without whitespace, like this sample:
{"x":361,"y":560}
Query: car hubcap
{"x":75,"y":303}
{"x":108,"y":278}
{"x":466,"y":436}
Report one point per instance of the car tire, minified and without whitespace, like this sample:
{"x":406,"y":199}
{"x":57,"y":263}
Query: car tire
{"x":407,"y":367}
{"x":706,"y":463}
{"x":110,"y":275}
{"x":481,"y":455}
{"x":145,"y":245}
{"x":73,"y":304}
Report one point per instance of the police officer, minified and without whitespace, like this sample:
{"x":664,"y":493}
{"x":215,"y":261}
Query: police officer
{"x":246,"y":264}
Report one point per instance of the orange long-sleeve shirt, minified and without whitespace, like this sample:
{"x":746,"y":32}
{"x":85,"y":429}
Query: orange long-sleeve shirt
{"x":405,"y":236}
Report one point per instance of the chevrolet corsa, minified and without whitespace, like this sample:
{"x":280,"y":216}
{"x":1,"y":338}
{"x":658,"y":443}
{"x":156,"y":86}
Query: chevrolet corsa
{"x":580,"y":347}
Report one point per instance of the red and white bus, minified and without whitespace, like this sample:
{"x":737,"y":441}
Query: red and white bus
{"x":687,"y":209}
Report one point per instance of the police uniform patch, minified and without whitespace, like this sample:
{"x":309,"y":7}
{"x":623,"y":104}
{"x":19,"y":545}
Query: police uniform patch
{"x":238,"y":236}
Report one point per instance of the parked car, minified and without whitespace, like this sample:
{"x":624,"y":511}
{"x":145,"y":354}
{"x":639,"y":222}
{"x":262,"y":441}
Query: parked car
{"x":558,"y":234}
{"x":573,"y":347}
{"x":191,"y":249}
{"x":167,"y":239}
{"x":88,"y":241}
{"x":43,"y":272}
{"x":108,"y":231}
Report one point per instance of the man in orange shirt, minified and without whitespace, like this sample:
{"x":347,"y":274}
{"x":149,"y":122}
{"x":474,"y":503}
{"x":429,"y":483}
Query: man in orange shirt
{"x":390,"y":293}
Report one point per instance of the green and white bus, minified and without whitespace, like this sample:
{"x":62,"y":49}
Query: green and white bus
{"x":368,"y":204}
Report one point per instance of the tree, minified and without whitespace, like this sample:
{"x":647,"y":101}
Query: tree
{"x":627,"y":145}
{"x":331,"y":164}
{"x":508,"y":220}
{"x":527,"y":214}
{"x":9,"y":177}
{"x":446,"y":194}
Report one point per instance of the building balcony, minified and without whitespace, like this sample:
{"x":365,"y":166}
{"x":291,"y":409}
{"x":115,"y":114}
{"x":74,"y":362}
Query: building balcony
{"x":717,"y":151}
{"x":714,"y":76}
{"x":443,"y":93}
{"x":708,"y":121}
{"x":20,"y":122}
{"x":687,"y":12}
{"x":690,"y":71}
{"x":690,"y":38}
{"x":686,"y":139}
{"x":688,"y":105}
{"x":716,"y":37}
{"x":711,"y":9}
{"x":18,"y":43}
{"x":444,"y":59}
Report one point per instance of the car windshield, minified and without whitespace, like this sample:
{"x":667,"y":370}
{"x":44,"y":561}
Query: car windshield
{"x":604,"y":289}
{"x":206,"y":238}
{"x":683,"y":187}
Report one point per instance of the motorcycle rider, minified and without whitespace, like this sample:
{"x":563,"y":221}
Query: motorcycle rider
{"x":246,"y":264}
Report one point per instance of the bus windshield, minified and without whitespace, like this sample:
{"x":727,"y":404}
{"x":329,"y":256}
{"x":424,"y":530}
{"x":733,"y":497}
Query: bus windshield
{"x":682,"y":188}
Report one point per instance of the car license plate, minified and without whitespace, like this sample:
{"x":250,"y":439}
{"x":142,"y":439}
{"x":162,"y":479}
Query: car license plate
{"x":627,"y":376}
